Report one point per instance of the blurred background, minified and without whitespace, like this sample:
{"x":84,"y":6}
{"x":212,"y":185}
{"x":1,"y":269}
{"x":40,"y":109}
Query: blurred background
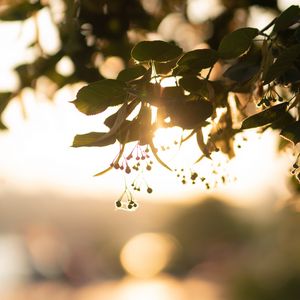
{"x":60,"y":234}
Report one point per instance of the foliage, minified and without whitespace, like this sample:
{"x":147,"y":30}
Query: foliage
{"x":271,"y":79}
{"x":262,"y":65}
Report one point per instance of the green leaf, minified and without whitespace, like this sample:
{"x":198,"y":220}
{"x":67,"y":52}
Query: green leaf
{"x":97,"y":96}
{"x":128,"y":132}
{"x":202,"y":146}
{"x":284,"y":120}
{"x":284,"y":61}
{"x":93,"y":139}
{"x":190,"y":114}
{"x":172,"y":94}
{"x":199,"y":59}
{"x":21,"y":11}
{"x":265,"y":117}
{"x":292,"y":132}
{"x":155,"y":50}
{"x":150,"y":92}
{"x":287,"y":18}
{"x":242,"y":71}
{"x":237,"y":42}
{"x":4,"y":100}
{"x":132,"y":73}
{"x":195,"y":85}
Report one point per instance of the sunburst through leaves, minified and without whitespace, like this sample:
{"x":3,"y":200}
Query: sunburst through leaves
{"x":258,"y":87}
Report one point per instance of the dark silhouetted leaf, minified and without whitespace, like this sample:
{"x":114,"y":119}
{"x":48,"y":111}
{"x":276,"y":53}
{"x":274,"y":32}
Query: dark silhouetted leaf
{"x":203,"y":147}
{"x":155,"y":50}
{"x":283,"y":121}
{"x":242,"y":71}
{"x":292,"y":132}
{"x":183,"y":70}
{"x":195,"y":85}
{"x":4,"y":100}
{"x":284,"y":61}
{"x":297,"y":34}
{"x":21,"y":11}
{"x":265,"y":117}
{"x":97,"y":96}
{"x":115,"y":120}
{"x":132,"y":73}
{"x":199,"y":59}
{"x":129,"y":132}
{"x":93,"y":139}
{"x":151,"y":93}
{"x":237,"y":42}
{"x":172,"y":94}
{"x":190,"y":114}
{"x":288,"y":17}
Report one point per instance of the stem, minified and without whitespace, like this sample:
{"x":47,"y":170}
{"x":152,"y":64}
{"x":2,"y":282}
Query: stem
{"x":261,"y":32}
{"x":207,"y":76}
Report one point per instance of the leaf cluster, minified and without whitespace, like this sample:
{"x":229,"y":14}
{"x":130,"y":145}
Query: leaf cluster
{"x":211,"y":84}
{"x":254,"y":63}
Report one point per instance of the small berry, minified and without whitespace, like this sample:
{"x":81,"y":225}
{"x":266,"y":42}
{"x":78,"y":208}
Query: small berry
{"x":149,"y":190}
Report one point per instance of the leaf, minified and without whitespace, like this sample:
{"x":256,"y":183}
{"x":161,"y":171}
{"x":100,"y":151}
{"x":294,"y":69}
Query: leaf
{"x":97,"y":96}
{"x":120,"y":119}
{"x":171,"y":94}
{"x":154,"y":152}
{"x":117,"y":118}
{"x":195,"y":85}
{"x":4,"y":100}
{"x":203,"y":147}
{"x":150,"y":92}
{"x":132,"y":73}
{"x":242,"y":71}
{"x":284,"y":120}
{"x":287,"y":18}
{"x":128,"y":132}
{"x":292,"y":132}
{"x":265,"y":117}
{"x":237,"y":42}
{"x":284,"y":61}
{"x":93,"y":139}
{"x":155,"y":50}
{"x":139,"y":129}
{"x":2,"y":126}
{"x":21,"y":11}
{"x":295,"y":102}
{"x":199,"y":59}
{"x":190,"y":114}
{"x":267,"y":58}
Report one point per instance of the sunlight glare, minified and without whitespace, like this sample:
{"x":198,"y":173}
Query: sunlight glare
{"x":147,"y":254}
{"x":201,"y":10}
